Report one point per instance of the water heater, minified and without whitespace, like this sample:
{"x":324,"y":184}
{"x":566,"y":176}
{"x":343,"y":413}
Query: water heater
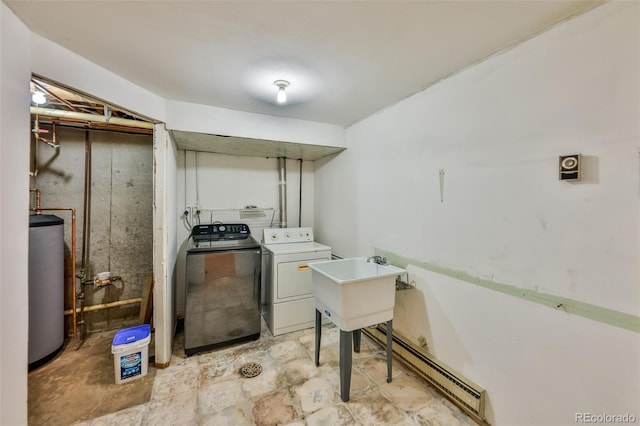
{"x":46,"y":287}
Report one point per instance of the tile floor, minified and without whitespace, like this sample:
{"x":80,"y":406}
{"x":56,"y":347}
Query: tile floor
{"x":207,"y":388}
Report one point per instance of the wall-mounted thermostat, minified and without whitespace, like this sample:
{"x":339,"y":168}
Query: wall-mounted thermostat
{"x":570,"y":168}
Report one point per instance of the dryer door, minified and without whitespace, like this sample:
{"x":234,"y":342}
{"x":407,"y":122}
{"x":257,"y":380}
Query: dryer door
{"x":294,"y":279}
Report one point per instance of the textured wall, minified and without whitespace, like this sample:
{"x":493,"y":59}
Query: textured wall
{"x":120,"y":238}
{"x":500,"y":235}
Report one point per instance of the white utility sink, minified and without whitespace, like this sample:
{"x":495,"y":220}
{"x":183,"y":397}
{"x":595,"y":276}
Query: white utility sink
{"x":354,"y":293}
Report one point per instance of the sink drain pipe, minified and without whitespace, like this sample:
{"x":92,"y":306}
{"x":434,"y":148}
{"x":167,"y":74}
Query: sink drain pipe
{"x":282,"y":165}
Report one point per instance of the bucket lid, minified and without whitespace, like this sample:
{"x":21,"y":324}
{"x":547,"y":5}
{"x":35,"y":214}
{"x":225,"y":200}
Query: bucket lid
{"x":130,"y":335}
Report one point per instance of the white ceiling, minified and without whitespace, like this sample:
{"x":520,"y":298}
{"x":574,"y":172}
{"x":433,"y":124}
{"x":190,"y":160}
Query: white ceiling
{"x":345,"y":59}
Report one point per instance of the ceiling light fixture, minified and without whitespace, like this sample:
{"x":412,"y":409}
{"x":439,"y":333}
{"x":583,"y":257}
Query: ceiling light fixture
{"x":282,"y":95}
{"x":38,"y":98}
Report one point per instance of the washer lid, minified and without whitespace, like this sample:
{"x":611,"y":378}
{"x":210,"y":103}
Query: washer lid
{"x":222,"y":245}
{"x":292,"y":248}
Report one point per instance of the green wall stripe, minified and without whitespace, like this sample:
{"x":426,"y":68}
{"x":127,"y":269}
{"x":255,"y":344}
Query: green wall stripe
{"x":593,"y":312}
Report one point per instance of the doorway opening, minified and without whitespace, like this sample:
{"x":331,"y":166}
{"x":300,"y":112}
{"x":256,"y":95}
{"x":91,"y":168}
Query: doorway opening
{"x":92,"y":164}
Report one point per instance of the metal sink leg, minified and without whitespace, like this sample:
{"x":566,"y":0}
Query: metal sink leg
{"x":347,"y":338}
{"x":318,"y":335}
{"x":345,"y":364}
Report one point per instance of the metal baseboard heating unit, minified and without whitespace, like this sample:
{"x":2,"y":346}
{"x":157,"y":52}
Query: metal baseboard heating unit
{"x":464,"y":393}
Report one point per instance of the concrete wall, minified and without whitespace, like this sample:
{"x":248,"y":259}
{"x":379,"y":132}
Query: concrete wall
{"x":121,"y":231}
{"x":14,"y":222}
{"x":460,"y":182}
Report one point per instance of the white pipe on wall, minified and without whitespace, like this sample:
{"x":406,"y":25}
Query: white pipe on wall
{"x":48,"y":112}
{"x":282,"y":183}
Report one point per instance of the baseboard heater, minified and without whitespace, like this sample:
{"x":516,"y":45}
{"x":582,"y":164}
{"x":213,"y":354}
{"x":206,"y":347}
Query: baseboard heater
{"x":462,"y":392}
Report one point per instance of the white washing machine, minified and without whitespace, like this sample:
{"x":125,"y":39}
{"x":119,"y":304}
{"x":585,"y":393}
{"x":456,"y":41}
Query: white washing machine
{"x":289,"y":304}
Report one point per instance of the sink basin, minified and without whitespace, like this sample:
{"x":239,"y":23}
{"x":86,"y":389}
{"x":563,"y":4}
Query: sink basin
{"x":354,"y":293}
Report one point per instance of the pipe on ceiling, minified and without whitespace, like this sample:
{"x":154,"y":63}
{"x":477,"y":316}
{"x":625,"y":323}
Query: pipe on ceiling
{"x":48,"y":112}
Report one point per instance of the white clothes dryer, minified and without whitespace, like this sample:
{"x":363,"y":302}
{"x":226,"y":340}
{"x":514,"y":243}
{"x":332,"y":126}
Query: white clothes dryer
{"x":289,"y":304}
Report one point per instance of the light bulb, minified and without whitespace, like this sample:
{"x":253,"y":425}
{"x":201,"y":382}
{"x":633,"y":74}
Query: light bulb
{"x":282,"y":96}
{"x":38,"y":98}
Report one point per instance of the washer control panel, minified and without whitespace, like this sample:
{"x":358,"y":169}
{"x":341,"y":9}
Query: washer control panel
{"x":220,"y":231}
{"x":287,"y":235}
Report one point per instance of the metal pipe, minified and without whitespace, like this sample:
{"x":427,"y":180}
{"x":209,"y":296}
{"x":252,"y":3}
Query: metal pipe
{"x":34,"y":173}
{"x":282,"y":166}
{"x":106,"y":305}
{"x":86,"y":224}
{"x":37,"y":191}
{"x":36,"y":131}
{"x":300,"y":198}
{"x":73,"y":259}
{"x":86,"y":214}
{"x":48,"y":112}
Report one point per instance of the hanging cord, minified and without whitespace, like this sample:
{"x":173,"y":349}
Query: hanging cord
{"x":185,"y":215}
{"x":273,"y":215}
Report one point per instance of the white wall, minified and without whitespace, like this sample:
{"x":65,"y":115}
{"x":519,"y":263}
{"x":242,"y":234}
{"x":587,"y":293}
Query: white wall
{"x":56,"y":63}
{"x":496,"y":130}
{"x":23,"y":53}
{"x":14,"y":222}
{"x":63,"y":66}
{"x":223,"y":182}
{"x":164,"y":244}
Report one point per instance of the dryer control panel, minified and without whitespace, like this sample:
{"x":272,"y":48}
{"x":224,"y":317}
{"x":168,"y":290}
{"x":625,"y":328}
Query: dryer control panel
{"x":287,"y":235}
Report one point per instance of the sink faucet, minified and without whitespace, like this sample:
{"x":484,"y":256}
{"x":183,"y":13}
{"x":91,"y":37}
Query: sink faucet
{"x":378,"y":259}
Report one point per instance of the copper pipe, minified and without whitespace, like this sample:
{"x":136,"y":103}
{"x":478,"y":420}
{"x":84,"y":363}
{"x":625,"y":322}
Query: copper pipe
{"x":37,"y":191}
{"x":106,"y":305}
{"x":34,"y":173}
{"x":36,"y":134}
{"x":73,"y":259}
{"x":53,"y":95}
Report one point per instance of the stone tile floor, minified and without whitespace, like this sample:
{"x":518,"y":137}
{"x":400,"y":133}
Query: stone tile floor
{"x":207,"y":388}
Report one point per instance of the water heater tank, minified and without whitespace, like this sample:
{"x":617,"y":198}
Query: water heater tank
{"x":46,"y":287}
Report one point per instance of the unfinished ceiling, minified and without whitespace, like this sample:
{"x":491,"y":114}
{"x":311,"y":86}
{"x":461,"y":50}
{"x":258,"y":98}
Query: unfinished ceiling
{"x":61,"y":105}
{"x":345,"y":59}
